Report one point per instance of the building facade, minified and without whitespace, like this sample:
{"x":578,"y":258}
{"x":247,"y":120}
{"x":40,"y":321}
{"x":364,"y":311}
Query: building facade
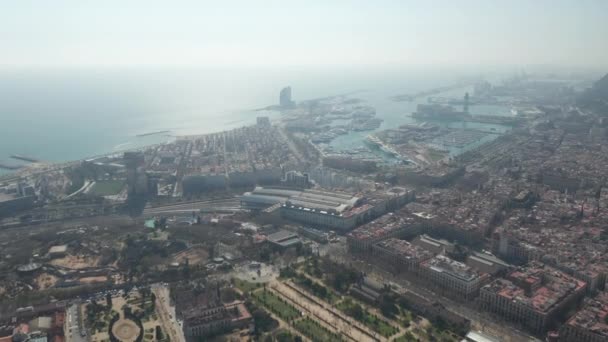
{"x":532,"y":296}
{"x":455,"y":278}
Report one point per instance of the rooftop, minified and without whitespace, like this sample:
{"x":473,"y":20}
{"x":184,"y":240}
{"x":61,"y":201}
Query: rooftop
{"x":379,"y":227}
{"x":58,"y":249}
{"x":284,"y":238}
{"x":312,"y":199}
{"x":536,"y":286}
{"x":404,"y":249}
{"x":593,"y":315}
{"x":443,"y":264}
{"x":427,"y":241}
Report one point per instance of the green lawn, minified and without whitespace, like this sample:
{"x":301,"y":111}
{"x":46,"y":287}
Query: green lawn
{"x":276,"y":305}
{"x":355,"y":310}
{"x":107,"y":187}
{"x":408,"y":337}
{"x":246,"y":286}
{"x":404,"y":318}
{"x":315,"y":331}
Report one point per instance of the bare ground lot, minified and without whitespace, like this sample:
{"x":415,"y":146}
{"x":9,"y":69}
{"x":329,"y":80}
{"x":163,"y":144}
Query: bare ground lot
{"x":45,"y":281}
{"x":76,"y":262}
{"x":195,"y":255}
{"x":91,"y":280}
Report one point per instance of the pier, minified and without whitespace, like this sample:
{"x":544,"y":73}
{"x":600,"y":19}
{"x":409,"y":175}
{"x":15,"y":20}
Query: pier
{"x":25,"y":158}
{"x":498,"y":120}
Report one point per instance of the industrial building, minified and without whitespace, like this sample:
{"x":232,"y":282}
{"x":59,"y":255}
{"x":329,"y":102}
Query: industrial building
{"x":262,"y":197}
{"x":326,"y":209}
{"x":318,"y":208}
{"x":532,"y":296}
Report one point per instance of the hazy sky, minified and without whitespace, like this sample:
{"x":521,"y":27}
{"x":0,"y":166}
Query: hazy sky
{"x":311,"y":32}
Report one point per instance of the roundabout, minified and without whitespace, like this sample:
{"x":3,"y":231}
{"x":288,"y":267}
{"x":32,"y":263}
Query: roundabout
{"x":125,"y":330}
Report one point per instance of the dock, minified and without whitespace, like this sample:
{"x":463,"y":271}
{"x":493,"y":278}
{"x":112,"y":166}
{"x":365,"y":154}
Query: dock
{"x":152,"y":133}
{"x":25,"y":158}
{"x":497,"y":120}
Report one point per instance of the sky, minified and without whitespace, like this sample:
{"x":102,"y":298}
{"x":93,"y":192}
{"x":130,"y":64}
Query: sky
{"x":65,"y":33}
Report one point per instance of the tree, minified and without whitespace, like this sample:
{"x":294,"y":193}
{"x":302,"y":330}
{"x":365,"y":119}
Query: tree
{"x":159,"y":333}
{"x":109,"y":300}
{"x":356,"y":311}
{"x":409,"y":336}
{"x":284,"y":336}
{"x":387,"y":306}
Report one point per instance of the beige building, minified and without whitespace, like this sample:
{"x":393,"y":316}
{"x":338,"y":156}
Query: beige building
{"x":456,"y":278}
{"x":386,"y":226}
{"x":532,"y":296}
{"x":589,"y":323}
{"x":400,"y":255}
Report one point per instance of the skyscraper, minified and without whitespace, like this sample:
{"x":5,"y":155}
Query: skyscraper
{"x":285,"y":98}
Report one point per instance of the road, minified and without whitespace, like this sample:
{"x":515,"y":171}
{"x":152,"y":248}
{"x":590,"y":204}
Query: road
{"x":73,"y":325}
{"x":166,"y":313}
{"x":291,"y":145}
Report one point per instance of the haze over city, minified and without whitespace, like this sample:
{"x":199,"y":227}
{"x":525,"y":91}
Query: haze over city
{"x":311,"y":33}
{"x":290,"y":171}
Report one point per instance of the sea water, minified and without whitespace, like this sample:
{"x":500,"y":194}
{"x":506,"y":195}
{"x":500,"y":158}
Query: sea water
{"x":68,"y":114}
